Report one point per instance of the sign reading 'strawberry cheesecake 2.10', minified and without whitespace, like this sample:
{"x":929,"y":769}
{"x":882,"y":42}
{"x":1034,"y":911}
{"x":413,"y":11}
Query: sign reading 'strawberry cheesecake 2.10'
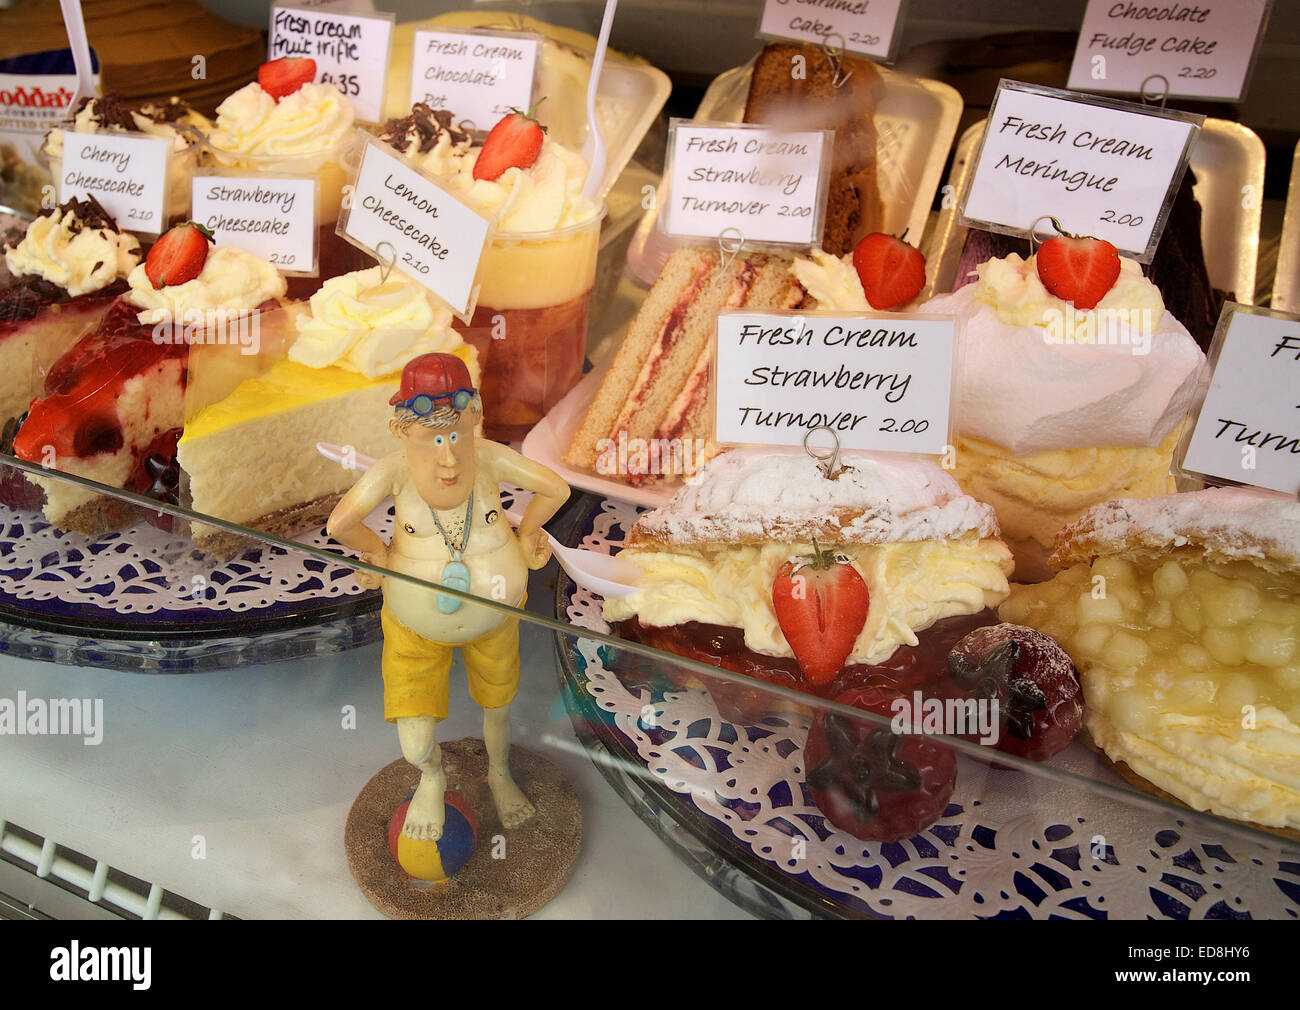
{"x":401,"y":215}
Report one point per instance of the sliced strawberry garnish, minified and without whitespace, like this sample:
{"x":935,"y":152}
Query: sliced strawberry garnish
{"x":515,"y":142}
{"x":179,"y":255}
{"x":821,"y":605}
{"x":1078,"y":270}
{"x":892,"y":272}
{"x":286,"y":75}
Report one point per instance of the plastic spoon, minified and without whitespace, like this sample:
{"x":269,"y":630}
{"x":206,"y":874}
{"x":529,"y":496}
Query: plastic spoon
{"x":75,"y":23}
{"x":593,"y":149}
{"x":601,"y":573}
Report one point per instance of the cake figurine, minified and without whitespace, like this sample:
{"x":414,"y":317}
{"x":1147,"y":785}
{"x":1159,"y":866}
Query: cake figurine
{"x":450,"y":530}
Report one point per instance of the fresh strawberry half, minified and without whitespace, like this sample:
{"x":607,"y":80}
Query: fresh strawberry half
{"x":821,"y":605}
{"x":1078,"y":270}
{"x":515,"y":142}
{"x":286,"y":75}
{"x":179,"y":255}
{"x":892,"y":272}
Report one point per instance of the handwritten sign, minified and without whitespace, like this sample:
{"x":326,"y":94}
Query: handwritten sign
{"x":125,"y":172}
{"x":879,"y":382}
{"x":351,"y":51}
{"x":768,"y":184}
{"x":438,"y":240}
{"x":478,"y":75}
{"x":1102,"y":167}
{"x":1203,"y":50}
{"x":273,"y":217}
{"x":869,"y":27}
{"x":1248,"y":429}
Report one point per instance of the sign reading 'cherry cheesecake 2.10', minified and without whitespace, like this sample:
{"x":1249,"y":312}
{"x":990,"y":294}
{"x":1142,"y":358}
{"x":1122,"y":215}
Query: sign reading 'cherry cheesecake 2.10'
{"x":767,"y":184}
{"x":351,"y":51}
{"x":1202,"y":50}
{"x":1248,"y":428}
{"x":879,"y":382}
{"x":1102,"y":167}
{"x":125,"y":172}
{"x":401,"y":215}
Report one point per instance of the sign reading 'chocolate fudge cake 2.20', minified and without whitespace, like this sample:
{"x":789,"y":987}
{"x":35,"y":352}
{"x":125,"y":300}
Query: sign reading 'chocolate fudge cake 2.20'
{"x":767,"y":184}
{"x":880,"y":383}
{"x":1100,"y":167}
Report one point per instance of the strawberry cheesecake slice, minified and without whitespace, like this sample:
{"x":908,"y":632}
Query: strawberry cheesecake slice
{"x":67,"y":270}
{"x":113,"y":404}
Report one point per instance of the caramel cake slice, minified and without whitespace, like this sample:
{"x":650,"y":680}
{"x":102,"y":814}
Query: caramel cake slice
{"x":811,"y":101}
{"x":1182,"y":615}
{"x":656,"y":390}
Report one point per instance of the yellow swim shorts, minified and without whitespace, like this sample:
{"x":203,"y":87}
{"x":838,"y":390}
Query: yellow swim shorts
{"x":417,"y":671}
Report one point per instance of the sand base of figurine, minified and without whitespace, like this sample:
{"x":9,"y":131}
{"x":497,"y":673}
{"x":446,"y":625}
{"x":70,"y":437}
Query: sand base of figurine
{"x":538,"y":856}
{"x":1151,"y":789}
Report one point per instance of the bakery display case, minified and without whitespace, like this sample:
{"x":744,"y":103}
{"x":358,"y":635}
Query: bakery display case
{"x":328,"y":594}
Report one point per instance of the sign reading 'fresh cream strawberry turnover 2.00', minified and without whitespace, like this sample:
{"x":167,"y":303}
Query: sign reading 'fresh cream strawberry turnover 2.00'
{"x":433,"y":237}
{"x":881,"y":383}
{"x":1100,"y":166}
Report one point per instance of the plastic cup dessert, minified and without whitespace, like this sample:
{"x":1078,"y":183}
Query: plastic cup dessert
{"x":172,"y":120}
{"x":536,"y":276}
{"x":306,"y":131}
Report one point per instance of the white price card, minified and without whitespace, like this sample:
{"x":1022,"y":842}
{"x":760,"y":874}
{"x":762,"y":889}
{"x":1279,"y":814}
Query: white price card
{"x":436,"y":239}
{"x":1202,"y":50}
{"x":125,"y":172}
{"x":881,"y":382}
{"x":1102,"y":167}
{"x":766,"y":183}
{"x":868,"y":27}
{"x":477,"y":75}
{"x":271,"y":216}
{"x":1248,"y":428}
{"x":351,"y":51}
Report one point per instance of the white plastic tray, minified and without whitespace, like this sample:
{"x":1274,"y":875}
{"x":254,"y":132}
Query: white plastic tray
{"x":1228,"y":160}
{"x":1286,"y":285}
{"x":916,"y":121}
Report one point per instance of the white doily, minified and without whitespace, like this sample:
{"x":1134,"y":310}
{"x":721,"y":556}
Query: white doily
{"x":1010,"y":844}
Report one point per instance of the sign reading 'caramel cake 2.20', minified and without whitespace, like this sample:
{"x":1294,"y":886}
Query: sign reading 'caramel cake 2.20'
{"x":767,"y":184}
{"x":881,"y":383}
{"x":869,"y":27}
{"x":435,"y":239}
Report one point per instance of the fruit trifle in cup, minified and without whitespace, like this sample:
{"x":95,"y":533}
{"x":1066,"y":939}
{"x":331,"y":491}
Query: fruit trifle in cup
{"x":67,"y":270}
{"x":172,"y":120}
{"x":285,"y":123}
{"x":112,"y":405}
{"x":530,"y":326}
{"x":1073,"y":387}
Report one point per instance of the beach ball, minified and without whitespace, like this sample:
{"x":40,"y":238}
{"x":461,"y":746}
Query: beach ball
{"x":435,"y":861}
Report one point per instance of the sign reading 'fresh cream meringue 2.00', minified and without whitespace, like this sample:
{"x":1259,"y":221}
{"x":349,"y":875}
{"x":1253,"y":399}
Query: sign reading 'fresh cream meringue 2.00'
{"x":1101,"y":167}
{"x":767,"y":184}
{"x":399,"y":214}
{"x":881,"y":383}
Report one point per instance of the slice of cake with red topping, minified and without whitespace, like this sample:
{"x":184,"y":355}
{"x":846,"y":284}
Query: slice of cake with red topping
{"x":65,"y":273}
{"x":113,"y":405}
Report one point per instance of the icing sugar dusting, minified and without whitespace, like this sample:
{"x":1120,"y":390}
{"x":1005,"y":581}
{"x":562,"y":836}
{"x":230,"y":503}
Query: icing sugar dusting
{"x":748,"y":494}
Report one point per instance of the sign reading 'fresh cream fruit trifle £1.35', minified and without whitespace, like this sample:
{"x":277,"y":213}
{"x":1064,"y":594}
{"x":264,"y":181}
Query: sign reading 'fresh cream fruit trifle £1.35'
{"x":1100,"y":166}
{"x":767,"y":184}
{"x":879,"y":382}
{"x":351,"y":51}
{"x":1248,"y":428}
{"x":399,"y":214}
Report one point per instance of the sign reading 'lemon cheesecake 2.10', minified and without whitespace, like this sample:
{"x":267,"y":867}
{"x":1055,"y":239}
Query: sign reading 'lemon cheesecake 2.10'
{"x":428,"y":234}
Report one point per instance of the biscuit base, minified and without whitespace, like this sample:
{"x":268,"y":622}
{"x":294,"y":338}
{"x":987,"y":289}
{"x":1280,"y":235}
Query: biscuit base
{"x":539,"y":856}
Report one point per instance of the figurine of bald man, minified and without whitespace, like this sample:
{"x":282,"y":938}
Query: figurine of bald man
{"x":450,"y":530}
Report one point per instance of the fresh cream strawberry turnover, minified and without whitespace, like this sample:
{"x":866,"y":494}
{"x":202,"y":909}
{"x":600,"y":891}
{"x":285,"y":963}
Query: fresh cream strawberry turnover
{"x":1182,"y":614}
{"x":112,"y":406}
{"x":1073,"y":387}
{"x":892,"y":563}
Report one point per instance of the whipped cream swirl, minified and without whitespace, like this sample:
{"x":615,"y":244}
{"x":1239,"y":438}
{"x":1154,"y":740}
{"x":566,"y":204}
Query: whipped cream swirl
{"x":76,"y":247}
{"x":314,"y":118}
{"x":231,"y":281}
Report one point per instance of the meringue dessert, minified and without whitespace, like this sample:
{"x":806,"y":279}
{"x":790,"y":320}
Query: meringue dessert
{"x":1182,"y":614}
{"x":929,"y":555}
{"x":332,"y":384}
{"x":1058,"y":409}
